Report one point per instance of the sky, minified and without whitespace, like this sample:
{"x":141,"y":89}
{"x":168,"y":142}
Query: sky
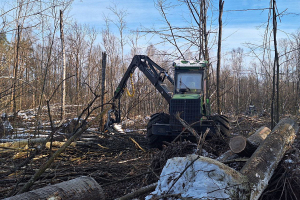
{"x":239,"y":26}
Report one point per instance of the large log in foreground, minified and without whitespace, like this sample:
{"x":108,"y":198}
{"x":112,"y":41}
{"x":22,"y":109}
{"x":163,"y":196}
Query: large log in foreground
{"x":195,"y":177}
{"x":246,"y":146}
{"x":82,"y":188}
{"x":261,"y":165}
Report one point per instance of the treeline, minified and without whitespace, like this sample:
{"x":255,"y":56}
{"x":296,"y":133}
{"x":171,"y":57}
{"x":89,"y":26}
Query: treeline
{"x":31,"y":66}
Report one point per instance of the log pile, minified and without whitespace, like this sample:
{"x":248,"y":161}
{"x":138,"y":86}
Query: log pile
{"x":256,"y":173}
{"x":260,"y":167}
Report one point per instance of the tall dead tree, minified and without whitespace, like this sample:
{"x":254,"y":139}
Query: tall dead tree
{"x":203,"y":8}
{"x":276,"y":59}
{"x":297,"y":106}
{"x":221,"y":5}
{"x":16,"y":73}
{"x":63,"y":109}
{"x":103,"y":85}
{"x":275,"y":85}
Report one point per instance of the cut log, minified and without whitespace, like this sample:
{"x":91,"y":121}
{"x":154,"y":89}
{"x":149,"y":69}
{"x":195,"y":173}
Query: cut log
{"x":82,"y":188}
{"x":237,"y":144}
{"x":22,"y":143}
{"x":246,"y":146}
{"x":261,"y":165}
{"x":259,"y":136}
{"x":58,"y":144}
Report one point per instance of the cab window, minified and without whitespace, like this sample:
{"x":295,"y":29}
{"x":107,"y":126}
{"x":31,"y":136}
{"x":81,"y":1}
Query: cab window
{"x":189,"y":81}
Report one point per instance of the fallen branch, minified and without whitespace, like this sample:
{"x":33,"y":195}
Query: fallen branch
{"x":187,"y":126}
{"x":137,"y":144}
{"x":180,"y":134}
{"x":143,"y":190}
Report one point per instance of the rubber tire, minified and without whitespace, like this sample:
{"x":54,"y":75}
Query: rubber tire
{"x":156,"y":141}
{"x":224,"y":123}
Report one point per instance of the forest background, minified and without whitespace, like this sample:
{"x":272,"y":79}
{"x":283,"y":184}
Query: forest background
{"x":260,"y":57}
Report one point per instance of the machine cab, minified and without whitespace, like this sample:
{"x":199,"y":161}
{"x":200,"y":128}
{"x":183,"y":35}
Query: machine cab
{"x":189,"y":76}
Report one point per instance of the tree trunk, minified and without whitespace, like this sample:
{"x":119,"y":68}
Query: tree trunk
{"x":103,"y":88}
{"x":276,"y":60}
{"x":64,"y":66}
{"x":221,"y":4}
{"x":16,"y":75}
{"x":260,"y":167}
{"x":82,"y":188}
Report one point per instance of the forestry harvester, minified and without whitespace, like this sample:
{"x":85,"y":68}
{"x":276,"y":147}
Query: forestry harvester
{"x":188,"y":98}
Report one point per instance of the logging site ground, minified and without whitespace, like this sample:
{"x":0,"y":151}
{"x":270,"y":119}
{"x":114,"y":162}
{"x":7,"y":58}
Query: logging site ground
{"x":121,"y":162}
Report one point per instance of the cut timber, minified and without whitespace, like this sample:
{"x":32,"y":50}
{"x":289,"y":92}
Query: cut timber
{"x":18,"y":145}
{"x":82,"y":188}
{"x":260,"y":167}
{"x":246,"y":146}
{"x":259,"y":136}
{"x":23,"y":143}
{"x":237,"y":144}
{"x":58,"y":144}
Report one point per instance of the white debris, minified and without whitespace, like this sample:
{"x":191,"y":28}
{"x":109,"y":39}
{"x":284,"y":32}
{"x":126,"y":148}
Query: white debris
{"x":118,"y":127}
{"x":198,"y":177}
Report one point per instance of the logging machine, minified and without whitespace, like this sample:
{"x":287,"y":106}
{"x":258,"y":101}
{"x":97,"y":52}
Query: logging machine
{"x":188,"y":98}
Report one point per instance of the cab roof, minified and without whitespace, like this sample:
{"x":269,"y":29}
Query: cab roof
{"x":189,"y":63}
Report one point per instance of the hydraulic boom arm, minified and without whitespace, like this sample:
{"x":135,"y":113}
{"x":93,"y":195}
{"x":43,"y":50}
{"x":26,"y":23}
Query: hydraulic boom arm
{"x":152,"y":71}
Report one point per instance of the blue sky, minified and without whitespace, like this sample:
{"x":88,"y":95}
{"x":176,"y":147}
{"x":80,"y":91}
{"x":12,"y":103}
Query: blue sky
{"x":239,"y":27}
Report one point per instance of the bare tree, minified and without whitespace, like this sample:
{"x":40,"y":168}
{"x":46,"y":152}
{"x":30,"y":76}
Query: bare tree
{"x":63,"y":65}
{"x":221,"y":4}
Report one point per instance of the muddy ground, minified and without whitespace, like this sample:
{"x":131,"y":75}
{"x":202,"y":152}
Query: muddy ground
{"x":120,"y":166}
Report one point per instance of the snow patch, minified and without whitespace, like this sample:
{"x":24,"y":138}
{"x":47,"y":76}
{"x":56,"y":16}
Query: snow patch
{"x":195,"y":176}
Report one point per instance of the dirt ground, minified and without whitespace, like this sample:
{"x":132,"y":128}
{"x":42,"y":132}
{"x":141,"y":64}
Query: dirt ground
{"x":119,"y":165}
